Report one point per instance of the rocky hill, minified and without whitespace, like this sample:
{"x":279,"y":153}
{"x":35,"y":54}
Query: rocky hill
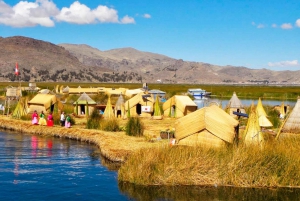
{"x":43,"y":61}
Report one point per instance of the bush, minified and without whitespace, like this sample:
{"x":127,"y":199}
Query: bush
{"x":111,"y":125}
{"x":134,"y":127}
{"x":94,"y":120}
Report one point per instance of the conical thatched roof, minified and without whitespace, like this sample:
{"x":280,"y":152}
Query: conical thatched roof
{"x":21,"y":109}
{"x":84,"y":98}
{"x":120,"y":103}
{"x":262,"y":115}
{"x":253,"y":132}
{"x":212,"y":120}
{"x":292,"y":124}
{"x":235,"y":102}
{"x":108,"y":112}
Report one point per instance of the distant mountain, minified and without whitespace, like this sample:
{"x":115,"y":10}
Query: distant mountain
{"x":43,"y":61}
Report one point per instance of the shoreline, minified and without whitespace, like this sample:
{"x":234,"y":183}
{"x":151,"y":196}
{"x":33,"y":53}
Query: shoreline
{"x":112,"y":145}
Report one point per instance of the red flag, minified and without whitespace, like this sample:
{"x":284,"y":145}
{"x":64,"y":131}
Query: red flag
{"x":17,"y":69}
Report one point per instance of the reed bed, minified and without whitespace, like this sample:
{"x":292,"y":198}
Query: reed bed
{"x":277,"y":164}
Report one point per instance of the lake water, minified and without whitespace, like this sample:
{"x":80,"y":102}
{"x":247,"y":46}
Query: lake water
{"x":206,"y":101}
{"x":40,"y":168}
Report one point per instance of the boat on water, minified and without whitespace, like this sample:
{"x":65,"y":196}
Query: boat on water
{"x":198,"y":93}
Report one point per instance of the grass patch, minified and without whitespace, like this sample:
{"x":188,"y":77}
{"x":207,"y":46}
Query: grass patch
{"x":134,"y":127}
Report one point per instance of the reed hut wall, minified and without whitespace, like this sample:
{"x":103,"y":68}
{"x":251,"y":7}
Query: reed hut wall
{"x":41,"y":102}
{"x":292,"y":124}
{"x":212,"y":119}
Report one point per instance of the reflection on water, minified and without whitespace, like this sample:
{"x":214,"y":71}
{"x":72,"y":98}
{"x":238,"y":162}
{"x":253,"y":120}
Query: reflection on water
{"x":180,"y":193}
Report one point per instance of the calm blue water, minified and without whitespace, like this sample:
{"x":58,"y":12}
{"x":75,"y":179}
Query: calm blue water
{"x":39,"y":168}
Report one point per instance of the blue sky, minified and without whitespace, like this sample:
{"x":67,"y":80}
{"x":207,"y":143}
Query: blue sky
{"x":252,"y":33}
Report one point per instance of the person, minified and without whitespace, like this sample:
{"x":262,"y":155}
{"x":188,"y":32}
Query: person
{"x":34,"y":119}
{"x":68,"y":121}
{"x":50,"y":119}
{"x":62,"y":119}
{"x":42,"y":120}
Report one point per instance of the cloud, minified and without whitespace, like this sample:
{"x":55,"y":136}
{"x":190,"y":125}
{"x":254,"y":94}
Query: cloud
{"x":147,"y":15}
{"x":286,"y":26}
{"x":298,"y":23}
{"x":274,"y":25}
{"x":45,"y":13}
{"x":260,"y":26}
{"x":28,"y":14}
{"x":284,"y":63}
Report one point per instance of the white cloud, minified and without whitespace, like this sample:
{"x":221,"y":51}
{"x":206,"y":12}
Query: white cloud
{"x":127,"y":20}
{"x":286,"y":26}
{"x":45,"y":13}
{"x":298,"y":23}
{"x":146,"y":15}
{"x":28,"y":14}
{"x":274,"y":25}
{"x":284,"y":63}
{"x":260,"y":26}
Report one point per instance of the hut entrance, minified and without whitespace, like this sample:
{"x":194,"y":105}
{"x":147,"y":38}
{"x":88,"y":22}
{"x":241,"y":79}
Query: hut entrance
{"x":52,"y":108}
{"x":119,"y":112}
{"x":139,"y":109}
{"x":82,"y":109}
{"x":173,"y":109}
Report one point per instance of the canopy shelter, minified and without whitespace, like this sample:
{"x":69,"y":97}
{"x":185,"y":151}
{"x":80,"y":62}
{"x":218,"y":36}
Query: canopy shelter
{"x":253,"y":134}
{"x":84,"y":105}
{"x":42,"y":102}
{"x":120,"y":107}
{"x":140,"y":105}
{"x":179,"y":106}
{"x":209,"y":126}
{"x":262,"y":115}
{"x":235,"y":105}
{"x":292,"y":123}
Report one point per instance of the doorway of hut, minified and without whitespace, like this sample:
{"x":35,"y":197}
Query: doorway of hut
{"x":119,"y":113}
{"x":82,"y":109}
{"x":52,"y":108}
{"x":139,"y":109}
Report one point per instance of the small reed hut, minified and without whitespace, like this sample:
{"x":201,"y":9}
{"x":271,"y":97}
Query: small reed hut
{"x":108,"y":112}
{"x":292,"y":124}
{"x":235,"y":105}
{"x":84,"y":105}
{"x":262,"y":115}
{"x":42,"y":102}
{"x":120,"y":107}
{"x":210,"y":126}
{"x":179,"y":106}
{"x":253,"y":134}
{"x":140,"y":105}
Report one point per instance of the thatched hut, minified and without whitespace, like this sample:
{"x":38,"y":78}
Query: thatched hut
{"x":120,"y":107}
{"x":179,"y":106}
{"x":140,"y":105}
{"x":84,"y":105}
{"x":253,"y":134}
{"x":262,"y":115}
{"x":235,"y":105}
{"x":108,"y":112}
{"x":292,"y":124}
{"x":42,"y":102}
{"x":209,"y":126}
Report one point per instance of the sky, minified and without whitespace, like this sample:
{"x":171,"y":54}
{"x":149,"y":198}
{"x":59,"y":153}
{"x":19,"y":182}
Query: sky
{"x":251,"y":33}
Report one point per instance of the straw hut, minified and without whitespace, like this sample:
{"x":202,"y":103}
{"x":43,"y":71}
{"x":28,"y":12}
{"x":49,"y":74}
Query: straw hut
{"x":120,"y":107}
{"x":262,"y":115}
{"x":210,"y":126}
{"x":235,"y":105}
{"x":114,"y":91}
{"x":140,"y":105}
{"x":292,"y":124}
{"x":179,"y":106}
{"x":42,"y":102}
{"x":253,"y":134}
{"x":84,"y":105}
{"x":108,"y":112}
{"x":132,"y":92}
